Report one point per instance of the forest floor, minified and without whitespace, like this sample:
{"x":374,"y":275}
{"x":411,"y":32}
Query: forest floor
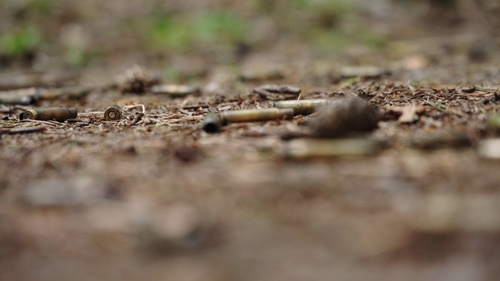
{"x":153,"y":196}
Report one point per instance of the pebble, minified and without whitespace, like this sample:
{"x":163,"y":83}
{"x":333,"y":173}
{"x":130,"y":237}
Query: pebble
{"x":344,"y":117}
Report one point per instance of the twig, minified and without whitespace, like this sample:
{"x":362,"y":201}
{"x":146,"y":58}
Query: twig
{"x":23,"y":130}
{"x":51,"y":123}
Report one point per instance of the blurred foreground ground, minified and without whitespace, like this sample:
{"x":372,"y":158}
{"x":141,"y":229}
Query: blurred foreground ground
{"x":155,"y":197}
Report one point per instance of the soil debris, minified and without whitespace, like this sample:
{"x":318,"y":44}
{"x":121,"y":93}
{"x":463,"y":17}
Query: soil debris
{"x":36,"y":79}
{"x":181,"y":227}
{"x":277,"y":92}
{"x":364,"y":72}
{"x":66,"y":193}
{"x":260,"y":74}
{"x":408,"y":114}
{"x":439,"y":140}
{"x":137,"y":80}
{"x":24,"y":130}
{"x":21,"y":96}
{"x":317,"y":169}
{"x":175,"y":91}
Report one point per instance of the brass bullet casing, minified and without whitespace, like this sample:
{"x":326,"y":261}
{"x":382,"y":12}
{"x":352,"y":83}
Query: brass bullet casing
{"x":303,"y":107}
{"x":59,"y":113}
{"x":211,"y":123}
{"x":255,"y":115}
{"x":113,"y":113}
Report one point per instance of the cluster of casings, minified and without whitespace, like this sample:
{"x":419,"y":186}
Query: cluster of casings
{"x":281,"y":110}
{"x":61,"y":113}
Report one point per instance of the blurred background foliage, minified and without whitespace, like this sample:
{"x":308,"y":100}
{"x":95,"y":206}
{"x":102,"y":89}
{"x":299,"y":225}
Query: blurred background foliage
{"x":78,"y":33}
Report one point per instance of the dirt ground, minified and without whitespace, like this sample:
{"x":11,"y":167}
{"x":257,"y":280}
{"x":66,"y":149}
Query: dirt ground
{"x":152,"y":196}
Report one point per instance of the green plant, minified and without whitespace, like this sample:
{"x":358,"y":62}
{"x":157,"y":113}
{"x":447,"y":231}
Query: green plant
{"x":169,"y":32}
{"x":20,"y":40}
{"x":45,"y":7}
{"x":330,"y":40}
{"x":220,"y":26}
{"x":374,"y":40}
{"x":179,"y":34}
{"x":77,"y":57}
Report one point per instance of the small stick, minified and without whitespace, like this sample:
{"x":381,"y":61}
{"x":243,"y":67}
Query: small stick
{"x":24,"y":130}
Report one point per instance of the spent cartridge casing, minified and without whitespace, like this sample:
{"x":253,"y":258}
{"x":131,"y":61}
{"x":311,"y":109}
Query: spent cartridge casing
{"x":303,"y":107}
{"x":213,"y":122}
{"x":59,"y":113}
{"x":255,"y":115}
{"x":113,"y":113}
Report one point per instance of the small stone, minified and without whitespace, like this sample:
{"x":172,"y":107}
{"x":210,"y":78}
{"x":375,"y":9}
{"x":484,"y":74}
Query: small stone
{"x":137,"y":80}
{"x":277,"y":92}
{"x":344,"y":117}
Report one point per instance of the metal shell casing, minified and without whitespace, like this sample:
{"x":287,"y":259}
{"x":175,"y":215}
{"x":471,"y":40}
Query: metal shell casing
{"x":303,"y":107}
{"x":59,"y":113}
{"x":211,"y":123}
{"x":255,"y":115}
{"x":113,"y":113}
